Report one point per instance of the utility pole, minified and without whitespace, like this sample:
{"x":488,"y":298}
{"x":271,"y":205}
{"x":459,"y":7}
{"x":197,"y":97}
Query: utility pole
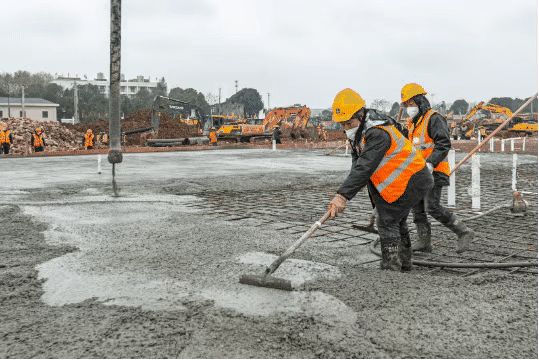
{"x":236,"y":85}
{"x":75,"y":103}
{"x":22,"y":103}
{"x":220,"y":113}
{"x":8,"y":100}
{"x":268,"y":101}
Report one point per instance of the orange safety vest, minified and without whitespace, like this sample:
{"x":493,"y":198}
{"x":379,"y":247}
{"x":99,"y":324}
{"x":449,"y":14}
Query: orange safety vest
{"x":213,"y":137}
{"x":4,"y":136}
{"x":419,"y":136}
{"x":38,"y":140}
{"x":400,"y":162}
{"x":88,"y":139}
{"x":105,"y":138}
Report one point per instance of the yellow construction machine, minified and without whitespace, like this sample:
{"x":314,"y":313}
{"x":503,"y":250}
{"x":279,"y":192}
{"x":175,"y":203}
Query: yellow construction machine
{"x":244,"y":132}
{"x":517,"y":126}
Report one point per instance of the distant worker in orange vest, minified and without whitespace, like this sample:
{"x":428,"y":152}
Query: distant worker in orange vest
{"x":38,"y":140}
{"x":324,"y":134}
{"x":6,"y":139}
{"x":104,"y":138}
{"x":395,"y":174}
{"x":428,"y":132}
{"x":213,"y":137}
{"x":88,"y":139}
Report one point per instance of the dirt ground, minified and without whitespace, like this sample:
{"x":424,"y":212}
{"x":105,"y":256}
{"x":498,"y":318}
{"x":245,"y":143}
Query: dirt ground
{"x":172,"y":225}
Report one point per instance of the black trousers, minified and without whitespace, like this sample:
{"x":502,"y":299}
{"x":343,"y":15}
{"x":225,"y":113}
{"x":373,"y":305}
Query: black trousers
{"x":39,"y":148}
{"x":434,"y":208}
{"x":5,"y":148}
{"x":391,"y":221}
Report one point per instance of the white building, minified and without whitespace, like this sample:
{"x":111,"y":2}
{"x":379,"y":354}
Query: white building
{"x":129,"y":87}
{"x":35,"y":108}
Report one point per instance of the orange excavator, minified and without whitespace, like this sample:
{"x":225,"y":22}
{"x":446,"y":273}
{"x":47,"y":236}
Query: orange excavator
{"x":517,"y":125}
{"x":248,"y":132}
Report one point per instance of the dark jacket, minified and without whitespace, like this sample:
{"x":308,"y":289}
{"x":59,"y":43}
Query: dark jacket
{"x":439,"y":133}
{"x":365,"y":162}
{"x":276,"y":134}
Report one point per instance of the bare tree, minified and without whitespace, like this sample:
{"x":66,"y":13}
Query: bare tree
{"x":381,"y":105}
{"x":211,"y":99}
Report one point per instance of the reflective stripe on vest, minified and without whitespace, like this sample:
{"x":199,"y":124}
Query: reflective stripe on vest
{"x":419,"y":136}
{"x":400,"y":162}
{"x":89,"y":140}
{"x":4,"y":136}
{"x":38,"y":140}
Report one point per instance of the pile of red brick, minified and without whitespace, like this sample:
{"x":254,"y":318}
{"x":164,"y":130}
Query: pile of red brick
{"x":57,"y":136}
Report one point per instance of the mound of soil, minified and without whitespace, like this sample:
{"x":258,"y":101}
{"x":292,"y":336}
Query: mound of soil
{"x":169,"y":127}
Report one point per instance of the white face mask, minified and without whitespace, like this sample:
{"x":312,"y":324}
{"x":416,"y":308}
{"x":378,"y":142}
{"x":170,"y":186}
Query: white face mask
{"x":351,"y":133}
{"x":412,"y":111}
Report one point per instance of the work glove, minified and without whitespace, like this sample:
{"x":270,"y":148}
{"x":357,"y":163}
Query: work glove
{"x":337,"y":205}
{"x":430,"y":167}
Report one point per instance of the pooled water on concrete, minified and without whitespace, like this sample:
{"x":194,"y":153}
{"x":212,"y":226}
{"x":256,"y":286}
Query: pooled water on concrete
{"x":158,"y":255}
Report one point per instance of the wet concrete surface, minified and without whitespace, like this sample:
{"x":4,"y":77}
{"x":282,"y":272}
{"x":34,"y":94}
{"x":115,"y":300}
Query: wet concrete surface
{"x":156,"y":255}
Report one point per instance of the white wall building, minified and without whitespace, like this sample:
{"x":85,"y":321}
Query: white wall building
{"x":127,"y":87}
{"x":35,"y":108}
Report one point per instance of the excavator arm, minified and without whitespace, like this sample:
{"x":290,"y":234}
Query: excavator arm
{"x":165,"y":104}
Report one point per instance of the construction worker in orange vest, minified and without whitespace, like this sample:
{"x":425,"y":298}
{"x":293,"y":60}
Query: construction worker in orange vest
{"x":88,"y":139}
{"x":213,"y":137}
{"x":428,"y":132}
{"x":395,"y":174}
{"x":104,"y":138}
{"x":6,"y":139}
{"x":38,"y":140}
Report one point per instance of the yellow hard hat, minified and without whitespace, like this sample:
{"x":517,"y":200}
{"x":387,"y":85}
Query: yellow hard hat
{"x":4,"y":126}
{"x":411,"y":90}
{"x":346,"y":103}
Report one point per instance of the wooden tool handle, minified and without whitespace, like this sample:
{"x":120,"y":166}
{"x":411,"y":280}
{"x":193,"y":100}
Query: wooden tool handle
{"x":271,"y":269}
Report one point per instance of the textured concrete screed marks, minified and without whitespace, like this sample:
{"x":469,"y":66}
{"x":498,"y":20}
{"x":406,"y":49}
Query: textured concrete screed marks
{"x":168,"y":250}
{"x":91,"y":273}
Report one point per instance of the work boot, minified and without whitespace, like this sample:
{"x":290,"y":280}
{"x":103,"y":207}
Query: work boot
{"x":405,"y":252}
{"x":423,"y":235}
{"x":464,"y":233}
{"x":390,"y":254}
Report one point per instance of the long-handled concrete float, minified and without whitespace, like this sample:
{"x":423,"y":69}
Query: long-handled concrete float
{"x":266,"y":280}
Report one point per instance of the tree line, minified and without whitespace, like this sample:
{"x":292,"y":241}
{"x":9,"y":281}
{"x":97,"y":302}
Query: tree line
{"x":93,"y":104}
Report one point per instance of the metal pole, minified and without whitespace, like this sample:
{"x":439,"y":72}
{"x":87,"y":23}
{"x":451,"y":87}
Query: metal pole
{"x":514,"y":173}
{"x":220,"y":113}
{"x":115,"y":156}
{"x":268,"y":101}
{"x":8,"y":100}
{"x":76,"y":102}
{"x":494,"y":132}
{"x":476,"y":182}
{"x":22,"y":103}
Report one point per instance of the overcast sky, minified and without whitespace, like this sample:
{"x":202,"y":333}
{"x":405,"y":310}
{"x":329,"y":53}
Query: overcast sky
{"x":299,"y":51}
